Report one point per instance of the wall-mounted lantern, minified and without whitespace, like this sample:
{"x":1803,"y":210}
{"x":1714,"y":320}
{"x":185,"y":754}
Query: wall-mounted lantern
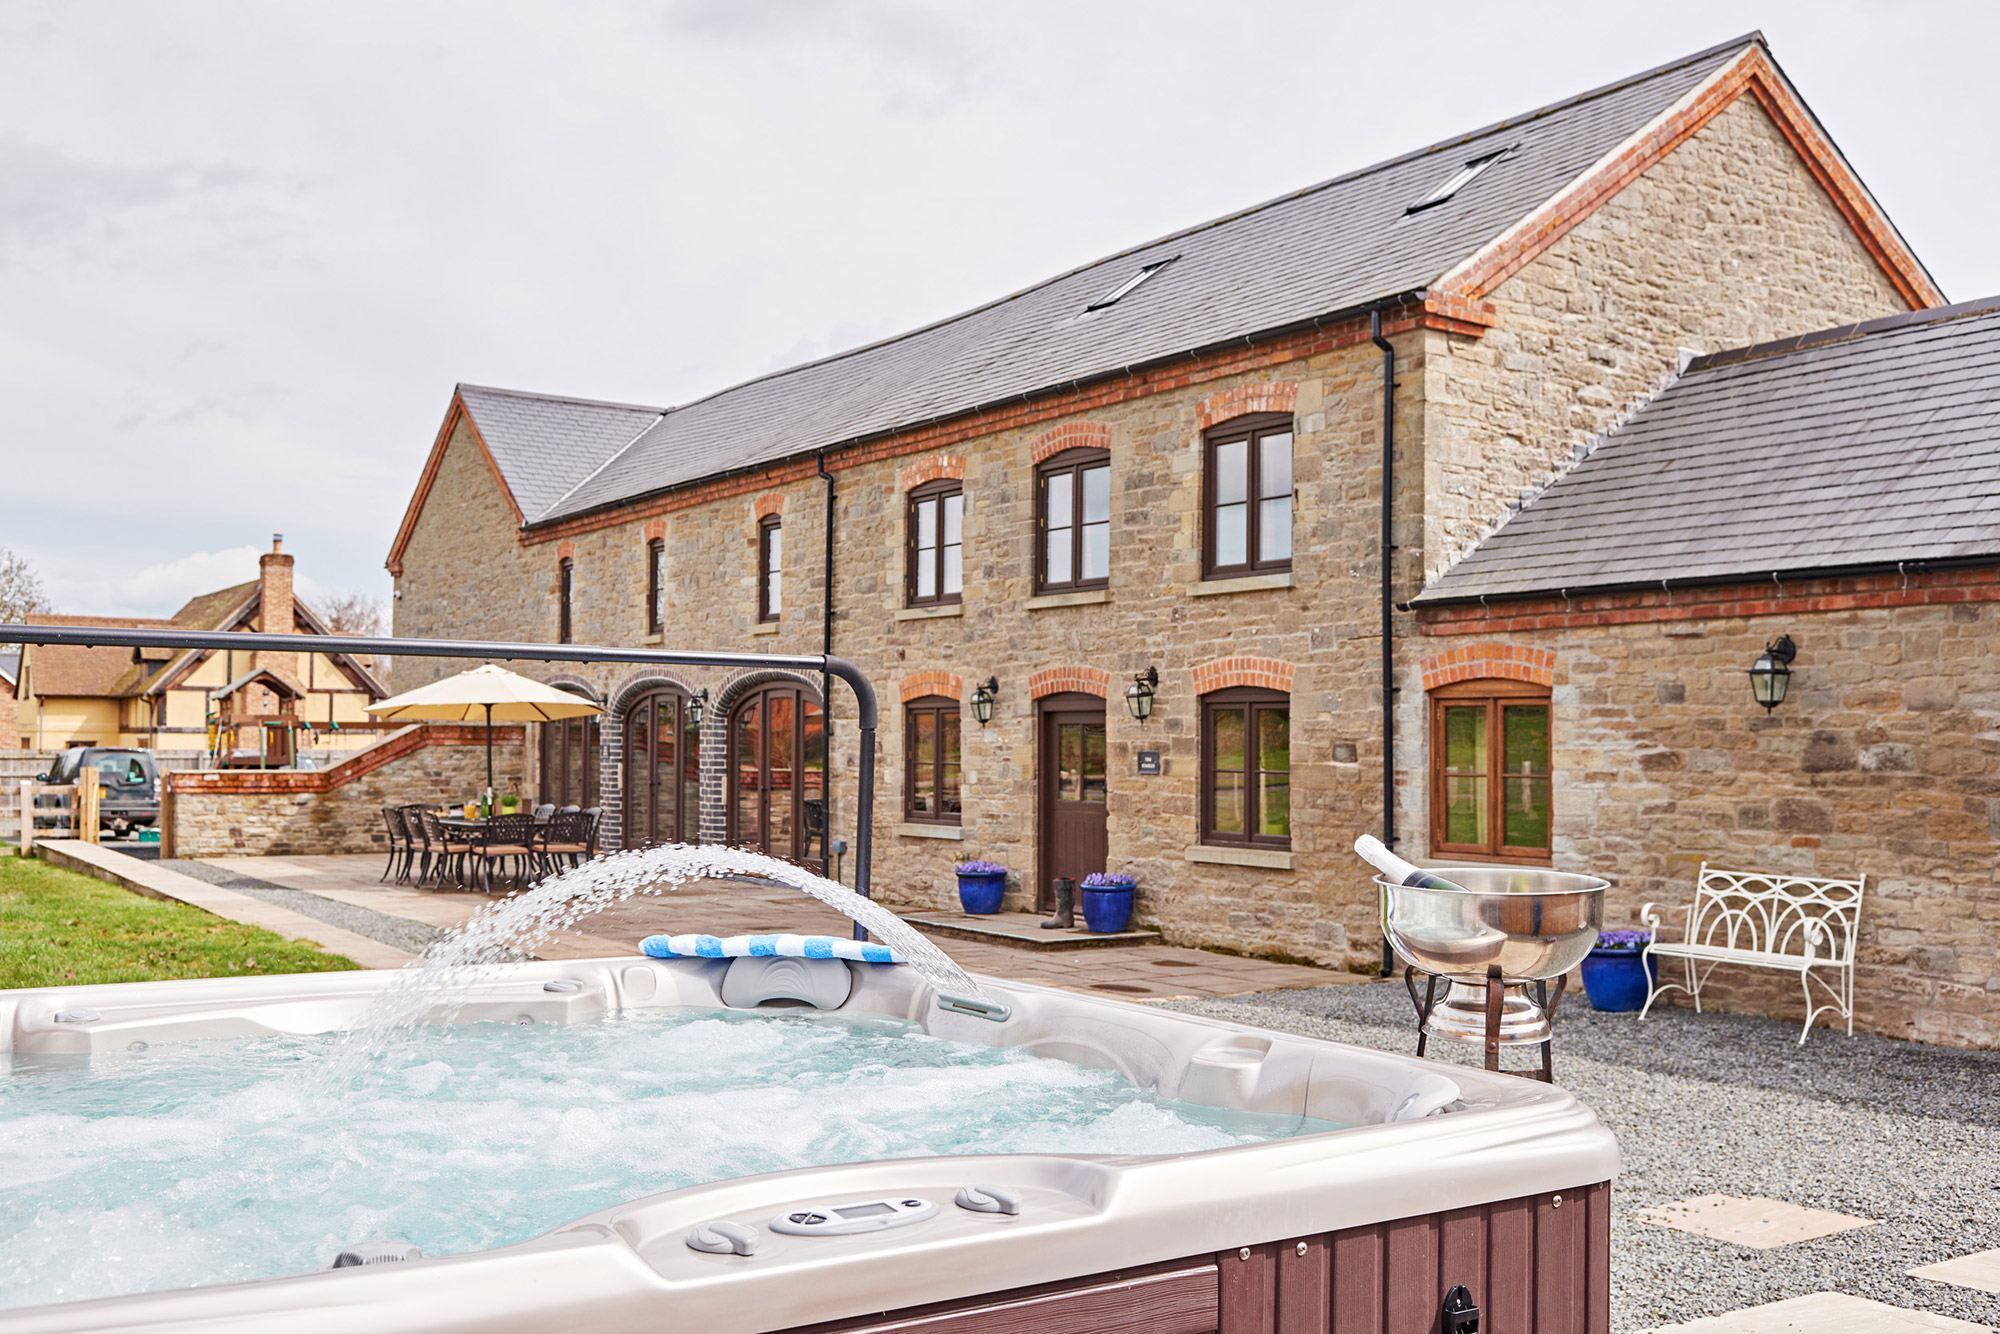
{"x":1771,"y":674}
{"x":697,"y":708}
{"x":983,"y":696}
{"x":1139,"y":695}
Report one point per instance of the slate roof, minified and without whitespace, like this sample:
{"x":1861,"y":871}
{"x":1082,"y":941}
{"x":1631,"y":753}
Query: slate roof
{"x":1331,"y":248}
{"x":545,"y":445}
{"x":1850,"y":448}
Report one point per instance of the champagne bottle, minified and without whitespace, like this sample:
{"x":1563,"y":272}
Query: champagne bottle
{"x":1372,"y":851}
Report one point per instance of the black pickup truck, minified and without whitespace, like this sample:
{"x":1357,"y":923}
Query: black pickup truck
{"x":131,"y":785}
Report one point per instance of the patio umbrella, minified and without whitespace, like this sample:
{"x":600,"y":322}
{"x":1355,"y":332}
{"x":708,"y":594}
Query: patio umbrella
{"x":491,"y":692}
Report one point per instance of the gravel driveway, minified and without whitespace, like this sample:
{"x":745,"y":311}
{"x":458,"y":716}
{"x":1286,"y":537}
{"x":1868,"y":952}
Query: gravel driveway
{"x":1728,"y":1104}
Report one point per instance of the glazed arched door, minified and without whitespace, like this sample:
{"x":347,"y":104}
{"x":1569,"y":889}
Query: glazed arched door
{"x":777,"y":773}
{"x":569,"y":759}
{"x":662,"y":771}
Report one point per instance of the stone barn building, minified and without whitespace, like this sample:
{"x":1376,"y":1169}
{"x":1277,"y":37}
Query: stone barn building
{"x":1173,"y":466}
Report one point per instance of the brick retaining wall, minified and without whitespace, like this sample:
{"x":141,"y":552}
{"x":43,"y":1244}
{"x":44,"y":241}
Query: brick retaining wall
{"x":293,"y":812}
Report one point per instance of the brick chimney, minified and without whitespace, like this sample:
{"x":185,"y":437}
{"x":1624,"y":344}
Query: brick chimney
{"x":274,"y":610}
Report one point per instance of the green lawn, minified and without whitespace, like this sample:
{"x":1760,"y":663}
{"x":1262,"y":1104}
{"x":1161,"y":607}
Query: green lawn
{"x":59,"y":928}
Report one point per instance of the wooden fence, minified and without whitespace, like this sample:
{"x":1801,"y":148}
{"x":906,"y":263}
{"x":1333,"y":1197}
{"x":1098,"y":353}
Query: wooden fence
{"x":20,"y":770}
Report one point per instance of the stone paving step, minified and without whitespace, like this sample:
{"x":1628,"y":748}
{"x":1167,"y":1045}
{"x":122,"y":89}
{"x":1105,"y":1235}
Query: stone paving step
{"x":1980,"y":1270}
{"x":1022,"y":930}
{"x":1826,"y":1313}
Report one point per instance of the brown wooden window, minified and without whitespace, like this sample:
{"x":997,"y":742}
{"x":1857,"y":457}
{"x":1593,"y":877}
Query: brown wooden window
{"x":656,"y":585}
{"x":565,"y":592}
{"x":1246,"y":768}
{"x":935,"y":570}
{"x":931,"y":760}
{"x":1490,"y":775}
{"x":662,"y":770}
{"x":1073,"y":521}
{"x":770,"y":568}
{"x":777,"y":774}
{"x":1247,"y":497}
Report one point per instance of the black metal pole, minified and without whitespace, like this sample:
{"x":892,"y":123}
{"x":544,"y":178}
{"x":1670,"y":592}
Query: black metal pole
{"x":1387,"y":544}
{"x":104,"y":636}
{"x":489,"y":747}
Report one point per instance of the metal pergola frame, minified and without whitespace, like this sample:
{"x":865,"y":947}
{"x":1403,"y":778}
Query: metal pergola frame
{"x":94,"y":636}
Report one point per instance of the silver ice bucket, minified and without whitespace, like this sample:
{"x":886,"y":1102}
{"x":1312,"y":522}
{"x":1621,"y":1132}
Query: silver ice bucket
{"x":1530,"y":924}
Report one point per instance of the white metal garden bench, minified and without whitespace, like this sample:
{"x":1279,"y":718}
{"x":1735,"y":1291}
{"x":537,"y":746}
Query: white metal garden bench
{"x":1765,"y":920}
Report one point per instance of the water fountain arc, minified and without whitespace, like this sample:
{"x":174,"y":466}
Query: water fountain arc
{"x":868,"y":712}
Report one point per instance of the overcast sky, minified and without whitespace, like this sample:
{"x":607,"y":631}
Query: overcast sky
{"x":247,"y":249}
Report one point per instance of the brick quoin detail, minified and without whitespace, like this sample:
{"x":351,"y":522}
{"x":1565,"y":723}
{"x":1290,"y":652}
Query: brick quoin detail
{"x":1509,"y":662}
{"x":930,"y":470}
{"x":1720,"y":602}
{"x":1246,"y":399}
{"x":1073,"y":435}
{"x":1752,"y":73}
{"x":1264,"y":673}
{"x":770,"y":504}
{"x":932,"y":683}
{"x":565,"y":551}
{"x":1056,"y":680}
{"x":347,"y":771}
{"x":656,"y":530}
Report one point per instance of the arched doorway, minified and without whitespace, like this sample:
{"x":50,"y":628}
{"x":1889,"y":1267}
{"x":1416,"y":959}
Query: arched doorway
{"x":569,"y":758}
{"x":662,"y":770}
{"x":777,"y":773}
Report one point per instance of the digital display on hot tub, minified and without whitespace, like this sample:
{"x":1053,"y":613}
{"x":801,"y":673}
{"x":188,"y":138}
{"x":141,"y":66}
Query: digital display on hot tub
{"x":865,"y":1210}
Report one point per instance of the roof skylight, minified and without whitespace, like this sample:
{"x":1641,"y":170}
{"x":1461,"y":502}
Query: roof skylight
{"x":1126,"y":288}
{"x":1463,"y":177}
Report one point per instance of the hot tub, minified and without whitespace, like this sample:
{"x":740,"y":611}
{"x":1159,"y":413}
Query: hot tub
{"x":1437,"y":1176}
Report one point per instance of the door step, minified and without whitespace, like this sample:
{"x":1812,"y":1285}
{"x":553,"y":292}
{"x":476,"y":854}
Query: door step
{"x":1021,"y":930}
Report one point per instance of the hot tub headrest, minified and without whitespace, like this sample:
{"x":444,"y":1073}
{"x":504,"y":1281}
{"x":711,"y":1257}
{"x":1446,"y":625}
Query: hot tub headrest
{"x":752,"y":980}
{"x":781,"y":946}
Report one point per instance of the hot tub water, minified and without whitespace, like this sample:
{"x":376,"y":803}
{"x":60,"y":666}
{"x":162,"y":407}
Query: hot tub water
{"x":203,"y":1162}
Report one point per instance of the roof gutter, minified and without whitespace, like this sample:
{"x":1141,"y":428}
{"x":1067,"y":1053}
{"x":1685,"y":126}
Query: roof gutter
{"x":826,"y":678}
{"x":1798,"y":575}
{"x":1386,"y":546}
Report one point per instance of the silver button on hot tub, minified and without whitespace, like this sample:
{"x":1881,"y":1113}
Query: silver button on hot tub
{"x":981,"y":1198}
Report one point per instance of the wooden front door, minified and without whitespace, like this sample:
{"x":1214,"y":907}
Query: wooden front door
{"x":1072,"y":787}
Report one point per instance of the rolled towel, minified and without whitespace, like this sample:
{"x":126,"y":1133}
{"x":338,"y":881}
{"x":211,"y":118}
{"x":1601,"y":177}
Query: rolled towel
{"x":788,"y":946}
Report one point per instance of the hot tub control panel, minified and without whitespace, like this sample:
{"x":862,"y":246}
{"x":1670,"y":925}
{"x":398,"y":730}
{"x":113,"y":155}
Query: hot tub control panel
{"x":851,"y":1216}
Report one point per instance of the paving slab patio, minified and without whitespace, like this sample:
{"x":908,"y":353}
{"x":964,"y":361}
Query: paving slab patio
{"x":1827,"y":1313}
{"x":1133,"y":972}
{"x":1750,"y":1220}
{"x":1980,"y":1270}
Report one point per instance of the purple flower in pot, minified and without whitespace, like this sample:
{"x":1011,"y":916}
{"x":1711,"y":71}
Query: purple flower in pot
{"x":1107,"y":901}
{"x":981,"y":886}
{"x":1617,"y":974}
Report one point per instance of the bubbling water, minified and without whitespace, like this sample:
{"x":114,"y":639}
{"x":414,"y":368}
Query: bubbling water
{"x":509,"y":930}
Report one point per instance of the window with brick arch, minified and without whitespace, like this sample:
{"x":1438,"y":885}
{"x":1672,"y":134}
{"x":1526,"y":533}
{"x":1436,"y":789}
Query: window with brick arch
{"x":656,"y":585}
{"x":1246,"y":768}
{"x":565,"y":595}
{"x":1073,"y":521}
{"x":1490,"y":792}
{"x":1247,"y":497}
{"x":931,"y":761}
{"x":770,"y":568}
{"x":935,"y":569}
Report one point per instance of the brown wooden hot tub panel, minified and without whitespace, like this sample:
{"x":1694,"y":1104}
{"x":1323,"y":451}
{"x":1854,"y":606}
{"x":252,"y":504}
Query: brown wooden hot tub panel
{"x":1537,"y":1265}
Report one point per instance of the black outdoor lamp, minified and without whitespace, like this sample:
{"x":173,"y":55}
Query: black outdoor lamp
{"x":1771,"y":674}
{"x":983,"y":696}
{"x":1139,"y":695}
{"x":697,"y":706}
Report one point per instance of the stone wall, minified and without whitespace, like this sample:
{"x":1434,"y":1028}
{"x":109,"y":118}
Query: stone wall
{"x":1881,"y":762}
{"x":1726,"y":241}
{"x":244,"y":813}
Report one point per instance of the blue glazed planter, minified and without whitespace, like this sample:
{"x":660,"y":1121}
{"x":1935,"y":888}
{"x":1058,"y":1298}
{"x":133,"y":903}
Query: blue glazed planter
{"x":1107,"y":910}
{"x":1618,"y":980}
{"x":981,"y":893}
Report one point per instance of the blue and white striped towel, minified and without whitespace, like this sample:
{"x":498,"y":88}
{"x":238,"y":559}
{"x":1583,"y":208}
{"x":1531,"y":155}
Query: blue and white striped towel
{"x":795,"y":947}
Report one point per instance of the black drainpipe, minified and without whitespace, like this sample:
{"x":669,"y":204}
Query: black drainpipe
{"x":1387,"y":547}
{"x":826,"y":650}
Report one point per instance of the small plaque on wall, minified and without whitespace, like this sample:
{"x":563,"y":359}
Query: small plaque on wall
{"x":1149,"y":764}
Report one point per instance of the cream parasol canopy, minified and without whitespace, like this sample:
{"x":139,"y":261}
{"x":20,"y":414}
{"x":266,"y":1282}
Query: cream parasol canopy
{"x":490,"y":693}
